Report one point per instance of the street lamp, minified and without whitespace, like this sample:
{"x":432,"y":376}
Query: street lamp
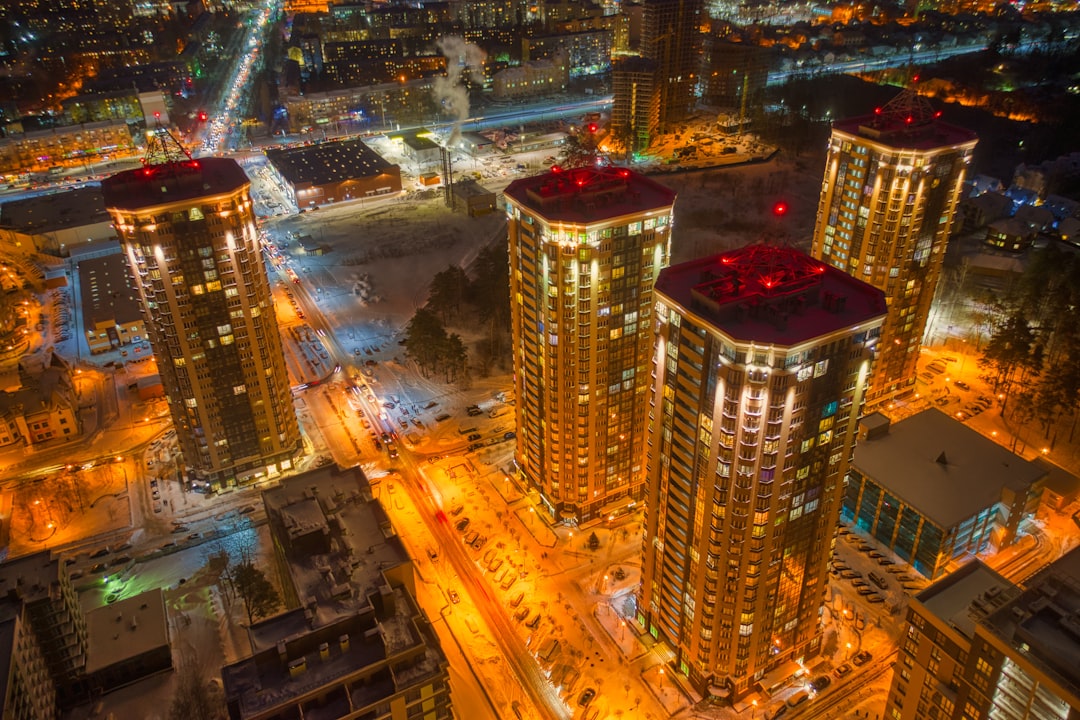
{"x":661,"y":678}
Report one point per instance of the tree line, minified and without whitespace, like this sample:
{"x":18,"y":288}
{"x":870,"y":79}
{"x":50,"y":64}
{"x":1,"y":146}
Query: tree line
{"x":1032,"y":358}
{"x":455,"y":299}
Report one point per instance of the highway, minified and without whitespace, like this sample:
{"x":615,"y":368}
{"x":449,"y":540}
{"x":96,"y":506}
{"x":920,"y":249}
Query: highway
{"x":779,"y":77}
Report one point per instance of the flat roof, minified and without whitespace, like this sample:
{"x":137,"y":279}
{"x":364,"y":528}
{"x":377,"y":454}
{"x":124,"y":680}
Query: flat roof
{"x":351,"y":573}
{"x":936,"y":134}
{"x":963,"y":598}
{"x":908,"y":121}
{"x":27,"y":579}
{"x":771,"y":294}
{"x":940,"y":466}
{"x":125,"y":629}
{"x":328,"y":162}
{"x":55,"y":211}
{"x":589,"y":194}
{"x":1041,"y":624}
{"x":167,"y":183}
{"x":104,"y":291}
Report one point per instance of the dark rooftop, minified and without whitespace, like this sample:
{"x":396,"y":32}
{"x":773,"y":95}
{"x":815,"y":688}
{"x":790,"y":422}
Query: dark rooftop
{"x":328,"y":162}
{"x":56,"y":211}
{"x":771,"y":294}
{"x":906,"y":121}
{"x":1042,"y":626}
{"x":942,"y":467}
{"x":963,"y":598}
{"x":589,"y":194}
{"x":155,"y":185}
{"x":105,"y":292}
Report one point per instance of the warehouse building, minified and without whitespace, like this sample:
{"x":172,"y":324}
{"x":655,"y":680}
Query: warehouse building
{"x":330,"y":172}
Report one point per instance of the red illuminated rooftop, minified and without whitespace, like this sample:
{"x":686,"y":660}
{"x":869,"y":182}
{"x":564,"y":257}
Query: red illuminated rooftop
{"x":589,"y":194}
{"x":165,"y":183}
{"x":771,"y":294}
{"x":907,"y":121}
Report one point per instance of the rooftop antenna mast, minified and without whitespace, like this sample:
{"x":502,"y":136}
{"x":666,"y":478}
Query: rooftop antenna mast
{"x":163,"y":148}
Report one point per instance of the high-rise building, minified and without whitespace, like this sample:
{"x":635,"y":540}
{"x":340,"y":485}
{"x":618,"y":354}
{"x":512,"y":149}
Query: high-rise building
{"x":188,"y":230}
{"x":586,"y":245}
{"x":892,"y":183}
{"x":635,"y":114}
{"x":761,"y":362}
{"x":651,"y":96}
{"x":977,"y":646}
{"x":671,"y":36}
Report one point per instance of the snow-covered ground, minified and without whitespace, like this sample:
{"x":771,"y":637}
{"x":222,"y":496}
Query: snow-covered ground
{"x":380,"y":257}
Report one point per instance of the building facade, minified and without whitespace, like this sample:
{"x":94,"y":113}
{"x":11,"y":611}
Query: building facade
{"x":671,"y":36}
{"x":891,"y":187}
{"x":36,"y":591}
{"x":760,"y":369}
{"x":586,"y":245}
{"x":635,"y":111}
{"x":72,"y":146}
{"x":188,"y":229}
{"x":978,"y":646}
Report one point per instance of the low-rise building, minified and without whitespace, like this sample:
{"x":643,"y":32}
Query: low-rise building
{"x":45,"y":407}
{"x":418,"y":147}
{"x":1010,"y":234}
{"x":354,"y":643}
{"x":54,"y":224}
{"x":67,"y":146}
{"x":935,"y":492}
{"x":331,"y":172}
{"x":533,"y":79}
{"x":473,"y":198}
{"x":110,"y":309}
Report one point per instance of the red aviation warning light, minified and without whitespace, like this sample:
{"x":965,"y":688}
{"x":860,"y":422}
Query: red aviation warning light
{"x":202,"y":116}
{"x":593,"y":127}
{"x":780,"y":209}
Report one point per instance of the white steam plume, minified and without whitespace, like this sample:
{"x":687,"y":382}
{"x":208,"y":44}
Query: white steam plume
{"x":461,"y":57}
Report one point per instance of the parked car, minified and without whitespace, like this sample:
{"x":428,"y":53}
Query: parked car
{"x":862,"y":657}
{"x":962,"y":385}
{"x":586,"y":697}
